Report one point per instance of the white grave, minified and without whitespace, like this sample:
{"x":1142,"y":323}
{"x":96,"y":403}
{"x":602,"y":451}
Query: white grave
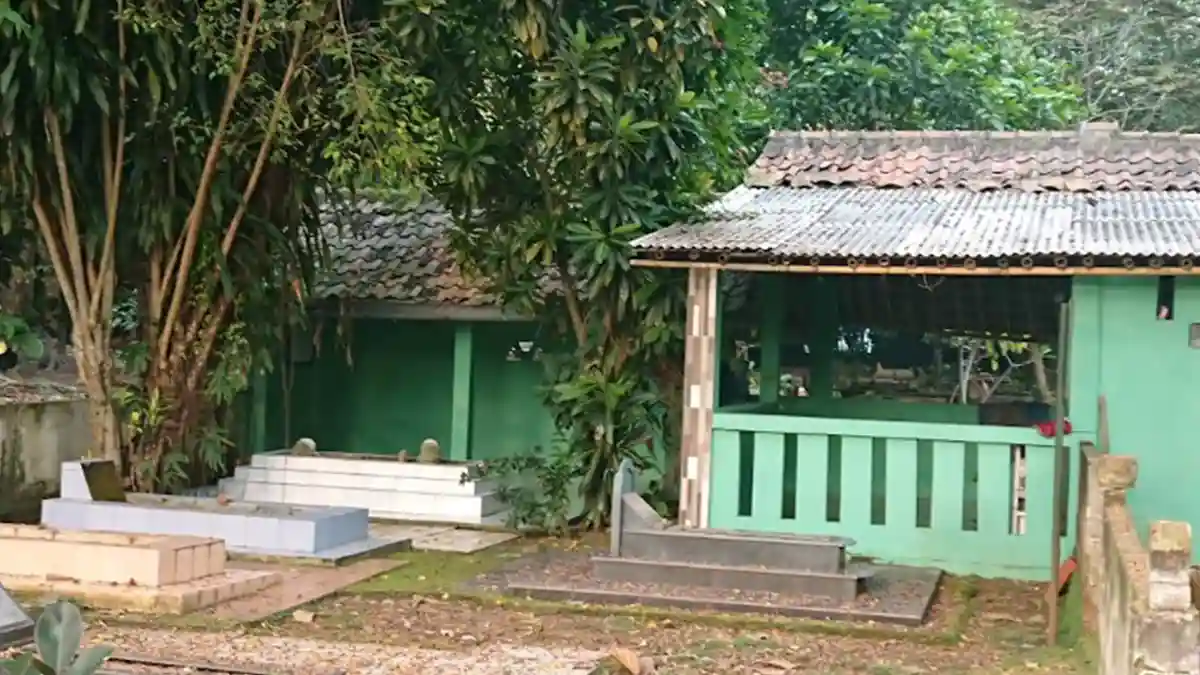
{"x":390,"y":489}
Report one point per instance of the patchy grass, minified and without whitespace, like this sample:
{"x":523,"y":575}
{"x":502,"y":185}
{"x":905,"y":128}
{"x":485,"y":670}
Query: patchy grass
{"x":433,"y":572}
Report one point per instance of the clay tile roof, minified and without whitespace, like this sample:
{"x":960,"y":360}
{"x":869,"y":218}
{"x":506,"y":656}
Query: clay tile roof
{"x":1097,"y":192}
{"x":395,"y":249}
{"x":1096,"y":158}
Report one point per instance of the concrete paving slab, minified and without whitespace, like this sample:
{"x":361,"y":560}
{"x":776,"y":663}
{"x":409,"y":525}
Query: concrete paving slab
{"x":442,"y":539}
{"x":461,"y":541}
{"x":301,"y":586}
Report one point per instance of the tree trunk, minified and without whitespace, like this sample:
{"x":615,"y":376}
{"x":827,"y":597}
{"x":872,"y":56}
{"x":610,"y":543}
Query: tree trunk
{"x":95,"y":369}
{"x":1037,"y":357}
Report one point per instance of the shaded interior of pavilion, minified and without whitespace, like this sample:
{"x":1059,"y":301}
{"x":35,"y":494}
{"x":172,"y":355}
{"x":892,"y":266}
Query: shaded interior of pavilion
{"x":955,"y":348}
{"x":850,"y":351}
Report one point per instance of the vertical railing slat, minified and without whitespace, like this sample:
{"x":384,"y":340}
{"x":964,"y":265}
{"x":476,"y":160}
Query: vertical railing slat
{"x":856,"y":481}
{"x":768,"y":479}
{"x":812,"y":468}
{"x":723,"y":497}
{"x":1039,"y":493}
{"x":901,"y":495}
{"x":949,"y":461}
{"x":995,"y":489}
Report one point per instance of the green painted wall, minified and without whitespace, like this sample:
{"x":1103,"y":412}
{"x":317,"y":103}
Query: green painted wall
{"x":398,"y":390}
{"x":507,"y":416}
{"x":1149,"y":375}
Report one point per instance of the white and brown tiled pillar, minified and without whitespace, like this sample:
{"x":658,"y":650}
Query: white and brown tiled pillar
{"x":699,"y":395}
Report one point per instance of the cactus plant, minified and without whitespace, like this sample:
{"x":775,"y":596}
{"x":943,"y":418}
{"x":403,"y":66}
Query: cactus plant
{"x":57,"y":636}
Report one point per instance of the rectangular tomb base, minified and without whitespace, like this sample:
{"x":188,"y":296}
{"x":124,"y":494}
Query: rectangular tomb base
{"x":447,"y":492}
{"x":328,"y":535}
{"x":108,"y":557}
{"x":895,"y":595}
{"x":174,"y":599}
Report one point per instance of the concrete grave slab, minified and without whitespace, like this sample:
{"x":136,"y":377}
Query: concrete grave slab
{"x":143,"y":572}
{"x":248,"y":529}
{"x":443,"y":539}
{"x":15,"y":625}
{"x":462,"y":541}
{"x":174,"y":599}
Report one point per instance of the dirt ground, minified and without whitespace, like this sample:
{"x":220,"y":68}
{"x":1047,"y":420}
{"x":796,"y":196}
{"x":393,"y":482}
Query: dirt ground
{"x":979,"y":627}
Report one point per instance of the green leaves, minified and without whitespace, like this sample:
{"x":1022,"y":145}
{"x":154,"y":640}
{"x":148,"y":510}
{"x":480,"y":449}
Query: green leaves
{"x":57,"y":635}
{"x":919,"y":64}
{"x":564,"y":137}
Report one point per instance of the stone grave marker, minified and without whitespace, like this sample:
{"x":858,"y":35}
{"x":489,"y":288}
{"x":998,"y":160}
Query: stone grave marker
{"x":15,"y":625}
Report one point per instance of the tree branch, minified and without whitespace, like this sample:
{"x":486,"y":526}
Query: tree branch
{"x":196,"y":215}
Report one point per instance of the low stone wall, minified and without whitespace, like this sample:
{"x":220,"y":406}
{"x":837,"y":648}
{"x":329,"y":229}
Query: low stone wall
{"x":1137,"y":596}
{"x":35,"y":439}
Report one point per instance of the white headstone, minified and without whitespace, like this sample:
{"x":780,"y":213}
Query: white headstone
{"x":15,"y":625}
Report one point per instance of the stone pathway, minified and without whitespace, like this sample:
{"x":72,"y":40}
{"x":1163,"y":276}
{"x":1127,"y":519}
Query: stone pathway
{"x":442,"y":538}
{"x":302,"y":656}
{"x":301,"y":585}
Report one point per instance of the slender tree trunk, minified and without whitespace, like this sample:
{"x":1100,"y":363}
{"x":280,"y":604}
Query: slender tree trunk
{"x":95,"y":368}
{"x":1037,"y":357}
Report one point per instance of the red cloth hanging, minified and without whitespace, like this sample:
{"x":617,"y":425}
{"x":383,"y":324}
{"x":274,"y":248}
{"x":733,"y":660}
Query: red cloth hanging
{"x":1046,"y":429}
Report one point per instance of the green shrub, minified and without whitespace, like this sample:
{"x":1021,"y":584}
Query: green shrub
{"x":57,"y":636}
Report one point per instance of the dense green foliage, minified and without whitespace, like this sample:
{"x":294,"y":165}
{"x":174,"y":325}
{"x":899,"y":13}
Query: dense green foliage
{"x":570,"y":129}
{"x":167,"y":158}
{"x":915,"y":64}
{"x":1135,"y":62}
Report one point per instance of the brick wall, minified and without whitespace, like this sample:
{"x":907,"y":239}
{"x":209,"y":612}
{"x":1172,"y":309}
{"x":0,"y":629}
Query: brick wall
{"x":1137,"y":596}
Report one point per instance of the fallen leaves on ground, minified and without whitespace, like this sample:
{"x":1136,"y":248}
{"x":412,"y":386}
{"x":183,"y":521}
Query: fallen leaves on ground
{"x":1003,"y":637}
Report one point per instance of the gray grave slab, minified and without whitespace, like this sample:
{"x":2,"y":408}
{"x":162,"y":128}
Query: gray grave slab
{"x":259,"y":530}
{"x":15,"y":625}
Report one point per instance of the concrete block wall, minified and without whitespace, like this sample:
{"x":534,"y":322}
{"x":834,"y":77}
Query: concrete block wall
{"x":105,"y":557}
{"x":1137,"y":595}
{"x":35,"y":438}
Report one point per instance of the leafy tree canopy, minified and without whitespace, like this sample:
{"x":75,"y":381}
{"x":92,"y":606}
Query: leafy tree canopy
{"x":570,"y":129}
{"x":167,"y":156}
{"x":1137,"y":63}
{"x":911,"y":64}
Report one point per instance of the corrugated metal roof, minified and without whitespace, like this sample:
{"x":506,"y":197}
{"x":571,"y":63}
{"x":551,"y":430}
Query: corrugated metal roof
{"x":931,"y":222}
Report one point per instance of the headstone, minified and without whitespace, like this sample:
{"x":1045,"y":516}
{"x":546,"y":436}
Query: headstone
{"x":622,"y":483}
{"x":431,"y":452}
{"x":92,"y":480}
{"x":15,"y":625}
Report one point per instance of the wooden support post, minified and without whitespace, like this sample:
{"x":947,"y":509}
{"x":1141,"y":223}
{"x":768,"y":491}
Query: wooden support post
{"x":770,"y":337}
{"x":699,"y":395}
{"x":258,"y":413}
{"x":460,"y":415}
{"x":823,"y":339}
{"x":1061,"y":472}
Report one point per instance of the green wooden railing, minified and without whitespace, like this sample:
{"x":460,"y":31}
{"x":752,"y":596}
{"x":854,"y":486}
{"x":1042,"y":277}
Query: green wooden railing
{"x":919,"y":493}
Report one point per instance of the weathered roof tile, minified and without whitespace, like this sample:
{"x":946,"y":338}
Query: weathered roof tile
{"x":1095,"y":192}
{"x":394,"y":250}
